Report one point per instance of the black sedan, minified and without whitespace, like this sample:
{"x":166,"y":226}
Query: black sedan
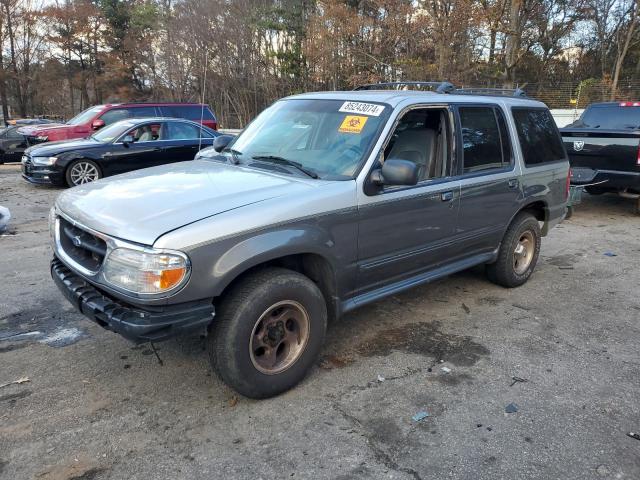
{"x":12,"y":144}
{"x":121,"y":147}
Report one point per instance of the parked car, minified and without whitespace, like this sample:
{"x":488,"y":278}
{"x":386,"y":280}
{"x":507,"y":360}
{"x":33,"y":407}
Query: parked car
{"x":95,"y":118}
{"x":324,"y":203}
{"x":121,"y":147}
{"x":604,"y":149}
{"x":12,"y":144}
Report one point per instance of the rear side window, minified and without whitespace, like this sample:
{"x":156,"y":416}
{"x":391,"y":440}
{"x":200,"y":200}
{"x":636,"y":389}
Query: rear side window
{"x":191,"y":112}
{"x":142,"y":112}
{"x":114,"y":115}
{"x":539,"y":137}
{"x":482,"y":143}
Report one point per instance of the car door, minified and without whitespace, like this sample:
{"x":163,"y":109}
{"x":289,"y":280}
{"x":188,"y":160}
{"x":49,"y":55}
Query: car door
{"x":145,"y":149}
{"x":13,"y":144}
{"x":490,"y":189}
{"x":183,"y":140}
{"x":404,"y":232}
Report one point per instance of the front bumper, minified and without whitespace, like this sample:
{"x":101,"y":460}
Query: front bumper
{"x":42,"y":175}
{"x":138,"y":324}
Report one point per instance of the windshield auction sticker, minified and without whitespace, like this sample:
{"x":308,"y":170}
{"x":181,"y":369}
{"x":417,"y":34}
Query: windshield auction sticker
{"x":362,"y":108}
{"x":352,"y":124}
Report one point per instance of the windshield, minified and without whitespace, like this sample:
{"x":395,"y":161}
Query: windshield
{"x":113,"y":131}
{"x":85,"y":116}
{"x":611,"y":117}
{"x":327,"y":137}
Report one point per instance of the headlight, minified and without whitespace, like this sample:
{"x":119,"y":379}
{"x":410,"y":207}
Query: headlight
{"x":42,"y":138}
{"x":44,"y":161}
{"x":145,"y":272}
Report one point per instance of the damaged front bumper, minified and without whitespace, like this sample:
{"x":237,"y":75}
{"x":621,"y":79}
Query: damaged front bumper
{"x":138,"y":324}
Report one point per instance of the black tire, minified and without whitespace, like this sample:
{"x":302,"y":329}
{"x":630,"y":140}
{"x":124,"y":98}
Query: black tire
{"x":503,"y":271}
{"x":68,"y":174}
{"x":237,"y":319}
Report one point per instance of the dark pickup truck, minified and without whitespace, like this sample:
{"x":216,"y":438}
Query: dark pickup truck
{"x":604,"y":149}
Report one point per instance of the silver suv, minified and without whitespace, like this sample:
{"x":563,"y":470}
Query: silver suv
{"x":324,"y":203}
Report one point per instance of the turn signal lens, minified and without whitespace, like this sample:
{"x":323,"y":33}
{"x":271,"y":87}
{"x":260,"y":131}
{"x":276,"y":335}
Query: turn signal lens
{"x":145,"y":272}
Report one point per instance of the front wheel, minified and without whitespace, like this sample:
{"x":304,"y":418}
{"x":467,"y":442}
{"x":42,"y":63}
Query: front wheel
{"x":518,"y":252}
{"x":81,"y":172}
{"x":268,"y":332}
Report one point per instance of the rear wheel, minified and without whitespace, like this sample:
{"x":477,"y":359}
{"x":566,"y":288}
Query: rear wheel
{"x":268,"y":332}
{"x":81,"y":172}
{"x":518,"y":252}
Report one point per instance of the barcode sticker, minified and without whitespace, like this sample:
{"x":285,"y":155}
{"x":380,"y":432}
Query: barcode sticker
{"x":362,"y":108}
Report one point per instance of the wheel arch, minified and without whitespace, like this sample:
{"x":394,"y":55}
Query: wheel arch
{"x":539,"y":209}
{"x":314,"y":265}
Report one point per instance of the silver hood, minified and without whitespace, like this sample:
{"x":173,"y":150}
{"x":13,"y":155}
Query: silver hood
{"x":141,"y":206}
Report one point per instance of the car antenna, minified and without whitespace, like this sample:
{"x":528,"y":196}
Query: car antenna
{"x":204,"y":86}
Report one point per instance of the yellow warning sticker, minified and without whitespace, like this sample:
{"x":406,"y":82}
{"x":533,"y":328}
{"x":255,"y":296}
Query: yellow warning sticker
{"x":353,"y":124}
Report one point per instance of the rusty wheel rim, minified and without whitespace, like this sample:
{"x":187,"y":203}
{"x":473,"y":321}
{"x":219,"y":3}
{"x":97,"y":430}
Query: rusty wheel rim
{"x":279,"y":337}
{"x":523,"y":253}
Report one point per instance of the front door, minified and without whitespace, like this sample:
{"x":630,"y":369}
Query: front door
{"x":143,"y":149}
{"x":405,"y":231}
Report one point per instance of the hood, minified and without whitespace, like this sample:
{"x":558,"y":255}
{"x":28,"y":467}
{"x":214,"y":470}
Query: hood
{"x":50,"y":149}
{"x":141,"y":206}
{"x":43,"y":128}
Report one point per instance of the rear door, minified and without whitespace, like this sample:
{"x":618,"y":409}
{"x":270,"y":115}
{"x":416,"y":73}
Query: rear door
{"x":490,"y":189}
{"x":182,"y":140}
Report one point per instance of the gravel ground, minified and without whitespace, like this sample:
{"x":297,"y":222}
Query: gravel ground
{"x":96,"y":407}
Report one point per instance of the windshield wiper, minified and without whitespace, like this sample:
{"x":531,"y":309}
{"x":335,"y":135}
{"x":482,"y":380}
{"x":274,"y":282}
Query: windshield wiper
{"x":284,"y":161}
{"x":234,"y":155}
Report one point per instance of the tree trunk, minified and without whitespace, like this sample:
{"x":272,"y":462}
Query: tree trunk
{"x":3,"y":86}
{"x":21,"y":104}
{"x":512,"y":44}
{"x":622,"y":50}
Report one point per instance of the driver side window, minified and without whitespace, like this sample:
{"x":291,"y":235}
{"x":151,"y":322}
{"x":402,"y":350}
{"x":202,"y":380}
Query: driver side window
{"x":422,"y":137}
{"x":149,"y":132}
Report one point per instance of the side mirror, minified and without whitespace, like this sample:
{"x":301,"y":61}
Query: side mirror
{"x":395,"y":171}
{"x":127,"y":140}
{"x":221,"y":142}
{"x":97,"y":124}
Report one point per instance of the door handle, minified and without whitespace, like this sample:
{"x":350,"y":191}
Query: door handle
{"x":513,"y":183}
{"x":446,"y":196}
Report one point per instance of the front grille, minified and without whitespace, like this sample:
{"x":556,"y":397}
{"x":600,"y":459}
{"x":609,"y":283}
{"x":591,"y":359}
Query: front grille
{"x":82,"y":247}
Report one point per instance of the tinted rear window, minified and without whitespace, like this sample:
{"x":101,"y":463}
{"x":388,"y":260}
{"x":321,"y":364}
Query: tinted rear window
{"x":481,"y":140}
{"x":539,"y":137}
{"x":191,"y":112}
{"x":611,"y":117}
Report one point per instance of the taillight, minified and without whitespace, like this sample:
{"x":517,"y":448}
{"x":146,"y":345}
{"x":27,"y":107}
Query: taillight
{"x":638,"y":159}
{"x":630,"y":104}
{"x":568,"y":185}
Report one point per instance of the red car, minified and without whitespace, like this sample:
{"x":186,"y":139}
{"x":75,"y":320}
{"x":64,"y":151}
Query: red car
{"x":94,"y":118}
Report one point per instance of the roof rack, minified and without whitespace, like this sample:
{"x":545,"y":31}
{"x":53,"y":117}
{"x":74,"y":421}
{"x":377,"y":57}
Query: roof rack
{"x":438,"y":87}
{"x":502,"y":92}
{"x":444,"y":87}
